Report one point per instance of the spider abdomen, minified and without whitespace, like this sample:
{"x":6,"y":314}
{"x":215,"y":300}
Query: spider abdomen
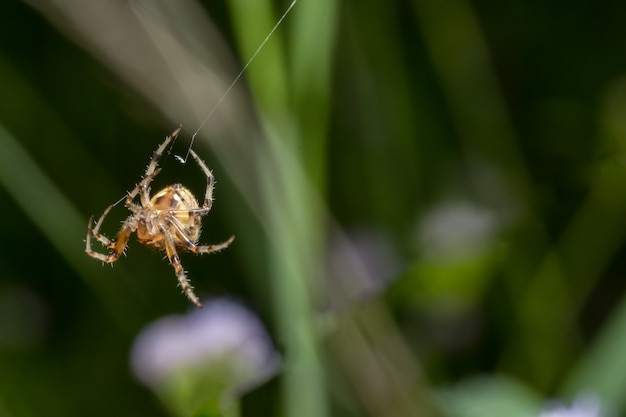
{"x":176,"y":210}
{"x":174,"y":197}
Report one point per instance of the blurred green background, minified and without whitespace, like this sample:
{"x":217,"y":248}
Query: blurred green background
{"x":429,"y":199}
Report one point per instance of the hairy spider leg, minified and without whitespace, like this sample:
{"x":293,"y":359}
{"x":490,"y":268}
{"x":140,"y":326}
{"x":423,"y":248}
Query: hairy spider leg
{"x":117,"y":246}
{"x":208,"y":202}
{"x":208,"y":195}
{"x":193,"y":246}
{"x":152,"y":170}
{"x":213,"y":248}
{"x":172,"y":255}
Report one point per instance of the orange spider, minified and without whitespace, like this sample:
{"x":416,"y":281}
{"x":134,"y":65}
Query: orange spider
{"x":170,"y":221}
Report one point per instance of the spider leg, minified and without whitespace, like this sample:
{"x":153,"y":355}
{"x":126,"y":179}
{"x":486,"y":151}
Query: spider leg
{"x":213,"y":248}
{"x":141,"y":187}
{"x":156,"y":156}
{"x":206,"y":207}
{"x":179,"y":229}
{"x":152,"y":170}
{"x":96,"y":230}
{"x":208,"y":195}
{"x":174,"y":259}
{"x":192,"y":246}
{"x":117,"y":246}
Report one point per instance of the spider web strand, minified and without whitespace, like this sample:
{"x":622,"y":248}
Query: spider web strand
{"x":245,"y":67}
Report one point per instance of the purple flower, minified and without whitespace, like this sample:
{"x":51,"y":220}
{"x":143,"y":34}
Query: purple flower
{"x":223,"y":341}
{"x":583,"y":406}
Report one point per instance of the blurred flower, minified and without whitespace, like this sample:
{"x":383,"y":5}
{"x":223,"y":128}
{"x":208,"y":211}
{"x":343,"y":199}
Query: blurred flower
{"x":460,"y":243}
{"x":583,"y":406}
{"x":204,"y":355}
{"x":360,"y":264}
{"x":457,"y":228}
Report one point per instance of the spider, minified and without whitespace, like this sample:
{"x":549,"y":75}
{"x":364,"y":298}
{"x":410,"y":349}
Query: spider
{"x":170,"y":221}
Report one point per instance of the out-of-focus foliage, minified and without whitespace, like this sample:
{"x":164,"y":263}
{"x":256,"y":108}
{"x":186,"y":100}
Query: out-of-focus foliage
{"x":429,"y":199}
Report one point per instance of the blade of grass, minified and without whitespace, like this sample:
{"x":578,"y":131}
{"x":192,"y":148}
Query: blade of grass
{"x":58,"y":219}
{"x":293,"y":219}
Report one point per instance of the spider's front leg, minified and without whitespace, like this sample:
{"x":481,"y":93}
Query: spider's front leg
{"x":152,"y":170}
{"x":210,"y":183}
{"x":142,"y":188}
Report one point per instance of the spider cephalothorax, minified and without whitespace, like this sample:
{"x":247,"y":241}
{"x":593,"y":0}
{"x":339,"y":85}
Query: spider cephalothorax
{"x":170,"y":221}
